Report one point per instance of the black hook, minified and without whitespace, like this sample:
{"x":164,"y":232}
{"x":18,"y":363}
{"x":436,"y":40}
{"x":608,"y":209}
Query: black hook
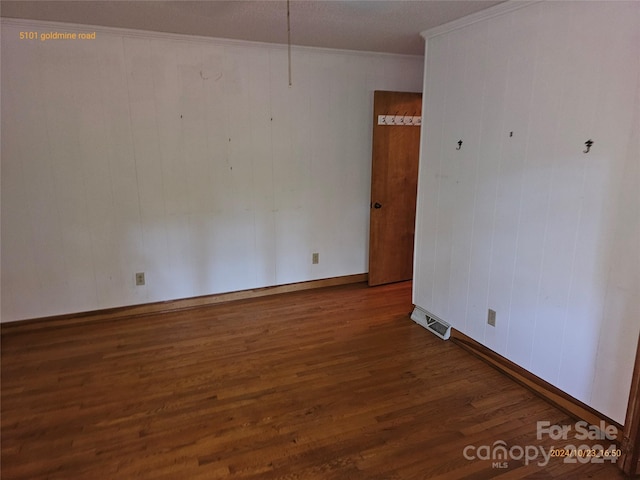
{"x":459,"y":145}
{"x":588,"y":143}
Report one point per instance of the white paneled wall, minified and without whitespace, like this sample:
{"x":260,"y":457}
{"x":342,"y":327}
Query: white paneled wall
{"x":189,"y":159}
{"x":520,"y":220}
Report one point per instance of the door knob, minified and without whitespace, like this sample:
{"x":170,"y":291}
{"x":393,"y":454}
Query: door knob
{"x":377,"y":205}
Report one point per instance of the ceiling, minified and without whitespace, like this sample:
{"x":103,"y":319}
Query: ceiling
{"x":391,"y":26}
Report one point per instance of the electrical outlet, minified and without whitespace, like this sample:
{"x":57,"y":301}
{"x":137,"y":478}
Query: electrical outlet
{"x":139,"y":278}
{"x":491,"y":318}
{"x":315,"y":258}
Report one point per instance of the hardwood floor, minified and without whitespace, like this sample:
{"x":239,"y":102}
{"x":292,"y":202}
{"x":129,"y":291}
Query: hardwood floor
{"x":335,"y":383}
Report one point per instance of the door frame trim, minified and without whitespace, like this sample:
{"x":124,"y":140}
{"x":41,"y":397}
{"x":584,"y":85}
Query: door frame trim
{"x":629,"y":462}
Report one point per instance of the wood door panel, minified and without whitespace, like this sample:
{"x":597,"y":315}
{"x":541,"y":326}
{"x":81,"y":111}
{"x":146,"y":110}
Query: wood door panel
{"x":394,"y":180}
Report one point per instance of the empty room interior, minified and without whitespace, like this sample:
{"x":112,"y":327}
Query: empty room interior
{"x":315,"y":239}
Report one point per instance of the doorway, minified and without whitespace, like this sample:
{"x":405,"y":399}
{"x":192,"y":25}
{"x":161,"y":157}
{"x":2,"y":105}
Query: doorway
{"x":394,"y":183}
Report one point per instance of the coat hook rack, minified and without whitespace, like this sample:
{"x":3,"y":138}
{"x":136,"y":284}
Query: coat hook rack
{"x":400,"y":120}
{"x":588,"y":144}
{"x":459,"y":145}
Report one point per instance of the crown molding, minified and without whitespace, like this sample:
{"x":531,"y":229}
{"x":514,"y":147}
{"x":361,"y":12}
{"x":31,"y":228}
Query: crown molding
{"x":150,"y":34}
{"x":490,"y":12}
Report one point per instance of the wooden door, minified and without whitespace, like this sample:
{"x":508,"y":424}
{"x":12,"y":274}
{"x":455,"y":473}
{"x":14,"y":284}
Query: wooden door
{"x":394,"y":181}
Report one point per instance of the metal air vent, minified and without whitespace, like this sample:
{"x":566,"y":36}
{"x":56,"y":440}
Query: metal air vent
{"x":438,"y":327}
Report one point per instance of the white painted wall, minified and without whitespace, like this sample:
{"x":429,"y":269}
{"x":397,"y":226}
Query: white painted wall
{"x":189,"y":159}
{"x":528,"y":225}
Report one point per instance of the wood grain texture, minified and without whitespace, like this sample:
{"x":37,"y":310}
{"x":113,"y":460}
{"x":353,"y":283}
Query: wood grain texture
{"x":173,"y":305}
{"x":394,"y":185}
{"x":557,"y":397}
{"x":630,"y":461}
{"x":336,"y":383}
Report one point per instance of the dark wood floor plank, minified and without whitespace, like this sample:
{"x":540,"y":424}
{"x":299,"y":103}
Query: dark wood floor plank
{"x":335,"y":383}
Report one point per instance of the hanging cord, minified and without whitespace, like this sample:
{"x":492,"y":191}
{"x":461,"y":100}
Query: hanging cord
{"x":289,"y":39}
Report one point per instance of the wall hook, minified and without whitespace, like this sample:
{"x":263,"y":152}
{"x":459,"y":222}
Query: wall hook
{"x":459,"y":145}
{"x":588,"y":143}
